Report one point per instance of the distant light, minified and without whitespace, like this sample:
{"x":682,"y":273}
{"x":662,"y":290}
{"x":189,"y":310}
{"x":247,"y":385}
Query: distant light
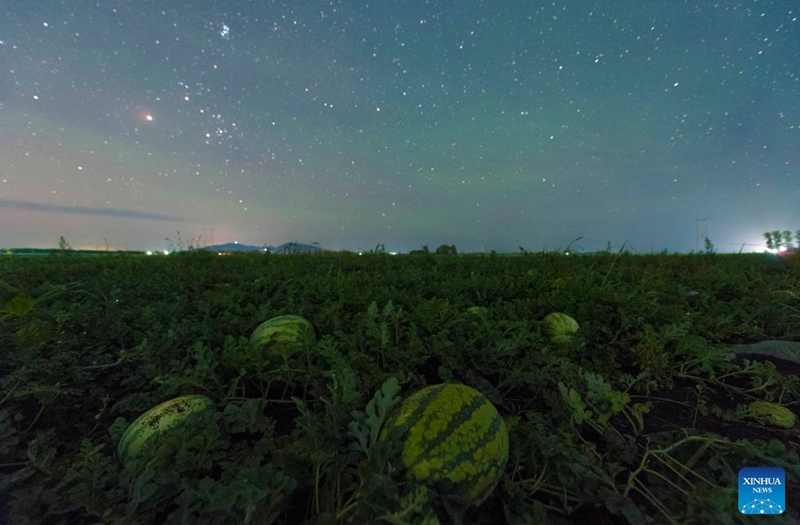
{"x":148,"y":252}
{"x":392,"y":253}
{"x":166,"y":252}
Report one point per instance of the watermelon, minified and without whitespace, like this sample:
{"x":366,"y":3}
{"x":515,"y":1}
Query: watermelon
{"x":284,"y":335}
{"x":453,"y":438}
{"x":559,"y":327}
{"x":165,"y":416}
{"x":772,"y":414}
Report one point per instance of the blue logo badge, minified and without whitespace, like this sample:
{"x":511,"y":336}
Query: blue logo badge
{"x":762,"y":490}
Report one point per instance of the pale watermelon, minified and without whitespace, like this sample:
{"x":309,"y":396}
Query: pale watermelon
{"x":284,"y":335}
{"x":559,"y":327}
{"x":157,"y":420}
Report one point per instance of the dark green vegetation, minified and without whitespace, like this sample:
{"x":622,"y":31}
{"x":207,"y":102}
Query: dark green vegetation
{"x":778,"y":240}
{"x":640,"y":418}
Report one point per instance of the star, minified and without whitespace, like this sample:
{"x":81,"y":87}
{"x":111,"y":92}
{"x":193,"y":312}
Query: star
{"x":145,"y":116}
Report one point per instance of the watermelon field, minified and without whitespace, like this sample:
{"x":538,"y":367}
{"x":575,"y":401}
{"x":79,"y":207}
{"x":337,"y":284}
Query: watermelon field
{"x":537,"y":388}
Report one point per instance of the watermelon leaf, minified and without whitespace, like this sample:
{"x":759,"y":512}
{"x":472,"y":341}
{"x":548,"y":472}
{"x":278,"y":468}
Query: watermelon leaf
{"x":574,"y":401}
{"x":19,"y":305}
{"x":623,"y":506}
{"x":248,"y":417}
{"x":415,"y":503}
{"x":344,"y":389}
{"x":254,"y":495}
{"x":9,"y":438}
{"x":91,"y":476}
{"x":366,"y":427}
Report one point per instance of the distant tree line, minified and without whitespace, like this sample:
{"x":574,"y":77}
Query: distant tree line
{"x":778,"y":240}
{"x":444,"y":249}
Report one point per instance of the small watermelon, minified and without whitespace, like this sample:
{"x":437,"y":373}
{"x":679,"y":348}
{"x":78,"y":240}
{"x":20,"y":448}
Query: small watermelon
{"x":284,"y":335}
{"x":772,"y":413}
{"x":559,"y":327}
{"x":453,"y":438}
{"x":157,"y":420}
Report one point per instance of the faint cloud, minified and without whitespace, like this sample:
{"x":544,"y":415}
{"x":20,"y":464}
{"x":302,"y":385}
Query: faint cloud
{"x":76,"y":210}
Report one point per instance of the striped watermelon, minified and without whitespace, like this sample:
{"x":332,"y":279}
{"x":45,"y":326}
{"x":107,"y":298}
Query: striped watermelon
{"x":284,"y":335}
{"x":453,"y":437}
{"x":157,"y":420}
{"x":560,"y":327}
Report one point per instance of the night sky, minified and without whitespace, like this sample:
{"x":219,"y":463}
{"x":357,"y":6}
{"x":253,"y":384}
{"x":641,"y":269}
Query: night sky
{"x":489,"y":125}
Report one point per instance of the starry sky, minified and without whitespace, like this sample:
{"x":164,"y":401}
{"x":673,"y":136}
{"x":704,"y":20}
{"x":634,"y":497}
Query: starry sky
{"x":488,"y":125}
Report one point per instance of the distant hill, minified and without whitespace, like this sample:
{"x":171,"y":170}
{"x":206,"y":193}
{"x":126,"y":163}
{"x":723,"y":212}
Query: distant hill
{"x":233,"y":247}
{"x":287,"y":247}
{"x":295,"y":247}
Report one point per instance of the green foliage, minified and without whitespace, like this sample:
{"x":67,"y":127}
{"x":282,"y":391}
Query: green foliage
{"x":445,"y":249}
{"x":777,"y":239}
{"x":415,"y":509}
{"x":19,"y":305}
{"x":643,"y":419}
{"x":248,"y":417}
{"x":366,"y":426}
{"x":709,"y":247}
{"x":251,"y":495}
{"x":9,"y":436}
{"x":89,"y":480}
